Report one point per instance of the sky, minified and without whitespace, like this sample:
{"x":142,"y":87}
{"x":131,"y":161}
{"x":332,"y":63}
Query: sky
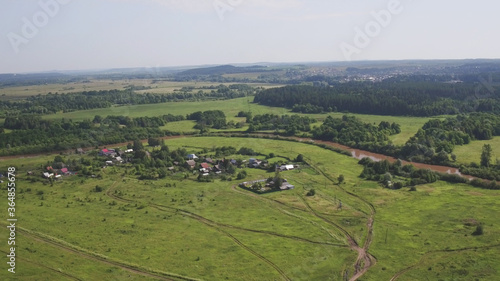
{"x":55,"y":35}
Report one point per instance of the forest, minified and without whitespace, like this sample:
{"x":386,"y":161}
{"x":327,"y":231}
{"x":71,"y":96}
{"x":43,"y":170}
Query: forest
{"x":384,"y":98}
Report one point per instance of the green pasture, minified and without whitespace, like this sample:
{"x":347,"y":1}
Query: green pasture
{"x":216,"y":231}
{"x":472,"y":151}
{"x":409,"y":125}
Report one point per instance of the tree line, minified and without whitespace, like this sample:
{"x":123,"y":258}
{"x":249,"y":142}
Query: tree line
{"x":67,"y":102}
{"x":384,"y":98}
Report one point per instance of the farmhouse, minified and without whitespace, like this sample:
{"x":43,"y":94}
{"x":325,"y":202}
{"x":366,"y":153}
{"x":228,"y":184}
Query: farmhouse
{"x":107,"y":152}
{"x":192,"y":156}
{"x":286,"y":167}
{"x":205,"y":168}
{"x":191,"y":164}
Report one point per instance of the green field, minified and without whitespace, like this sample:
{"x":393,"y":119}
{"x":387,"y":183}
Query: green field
{"x":472,"y":152}
{"x":161,"y":87}
{"x":409,"y":125}
{"x":149,"y":230}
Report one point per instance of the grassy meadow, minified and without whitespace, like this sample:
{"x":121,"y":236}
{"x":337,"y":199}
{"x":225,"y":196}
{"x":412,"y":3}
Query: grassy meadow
{"x":409,"y":125}
{"x":159,"y":87}
{"x":154,"y":230}
{"x":472,"y":151}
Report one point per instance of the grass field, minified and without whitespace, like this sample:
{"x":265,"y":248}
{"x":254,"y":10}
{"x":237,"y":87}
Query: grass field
{"x":472,"y":152}
{"x":212,"y":231}
{"x":161,"y":87}
{"x":409,"y":125}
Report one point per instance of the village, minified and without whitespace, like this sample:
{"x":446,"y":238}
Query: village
{"x":164,"y":162}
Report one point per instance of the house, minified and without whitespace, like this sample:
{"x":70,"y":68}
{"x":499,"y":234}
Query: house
{"x":209,"y":160}
{"x":286,"y":167}
{"x":254,"y":163}
{"x":49,"y":168}
{"x":191,"y":163}
{"x":234,"y":162}
{"x":64,"y":171}
{"x":58,"y":176}
{"x":107,"y":152}
{"x":286,"y":186}
{"x":118,"y":159}
{"x":192,"y":156}
{"x":205,"y":165}
{"x":48,"y":175}
{"x":109,"y":163}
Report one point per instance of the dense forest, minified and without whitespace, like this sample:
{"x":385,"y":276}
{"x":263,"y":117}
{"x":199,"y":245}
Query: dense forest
{"x":31,"y":134}
{"x":384,"y":98}
{"x":352,"y":132}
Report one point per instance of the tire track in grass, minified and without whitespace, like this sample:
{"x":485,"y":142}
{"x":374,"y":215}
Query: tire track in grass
{"x":421,"y":261}
{"x":211,"y":224}
{"x":96,"y":257}
{"x":47,"y":267}
{"x":248,"y":193}
{"x":364,"y":260}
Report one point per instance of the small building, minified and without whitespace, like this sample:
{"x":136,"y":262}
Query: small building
{"x":118,"y":159}
{"x":129,"y":151}
{"x":192,"y":156}
{"x":65,"y":171}
{"x":58,"y":177}
{"x":110,"y":163}
{"x":209,"y":160}
{"x":80,"y":151}
{"x":48,"y":175}
{"x":107,"y":152}
{"x":286,"y":186}
{"x":191,"y":164}
{"x":287,"y":167}
{"x":205,"y":166}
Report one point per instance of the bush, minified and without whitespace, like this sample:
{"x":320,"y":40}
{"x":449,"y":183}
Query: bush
{"x":241,"y":175}
{"x":479,"y":230}
{"x":311,"y":192}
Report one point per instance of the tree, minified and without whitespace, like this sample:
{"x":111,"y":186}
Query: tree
{"x":241,"y":175}
{"x":300,"y":158}
{"x":341,"y":179}
{"x":97,"y":119}
{"x":486,"y":156}
{"x":311,"y":192}
{"x":58,"y":159}
{"x":138,"y":145}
